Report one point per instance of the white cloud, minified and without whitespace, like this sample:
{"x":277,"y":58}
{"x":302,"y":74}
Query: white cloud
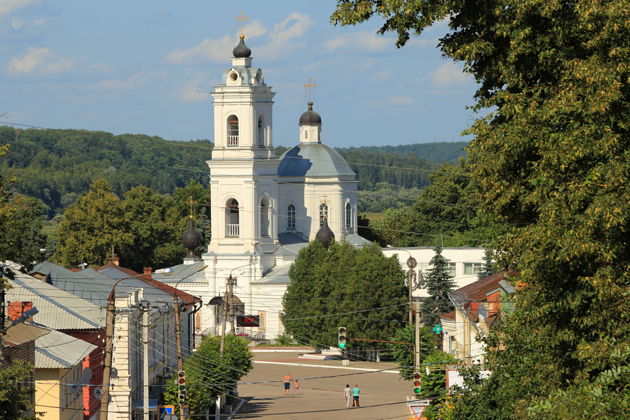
{"x":7,"y":6}
{"x":196,"y":89}
{"x":280,"y":42}
{"x":17,"y":23}
{"x":132,"y":82}
{"x":41,"y":60}
{"x":449,"y":74}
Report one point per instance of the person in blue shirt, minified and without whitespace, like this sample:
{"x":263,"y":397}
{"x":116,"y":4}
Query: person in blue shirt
{"x":355,"y":396}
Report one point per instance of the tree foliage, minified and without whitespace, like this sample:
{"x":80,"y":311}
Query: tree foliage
{"x":21,"y":221}
{"x":145,"y":228}
{"x":359,"y":289}
{"x":210,"y":374}
{"x":433,"y":380}
{"x":403,"y":353}
{"x":439,"y":282}
{"x":15,"y":396}
{"x":552,"y":160}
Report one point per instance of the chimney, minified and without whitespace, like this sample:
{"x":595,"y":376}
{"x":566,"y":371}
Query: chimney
{"x":16,"y":309}
{"x":147,"y":270}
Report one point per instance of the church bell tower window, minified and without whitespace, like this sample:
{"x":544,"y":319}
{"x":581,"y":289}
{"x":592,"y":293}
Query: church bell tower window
{"x":323,"y":213}
{"x":232,"y":131}
{"x":261,"y":132}
{"x":291,"y":217}
{"x":232,"y":228}
{"x":264,"y":217}
{"x":348,"y":216}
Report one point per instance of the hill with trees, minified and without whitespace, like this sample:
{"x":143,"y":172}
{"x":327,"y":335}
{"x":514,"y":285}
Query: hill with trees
{"x":56,"y":166}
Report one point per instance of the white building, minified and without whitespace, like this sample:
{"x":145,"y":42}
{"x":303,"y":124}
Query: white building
{"x":265,"y":209}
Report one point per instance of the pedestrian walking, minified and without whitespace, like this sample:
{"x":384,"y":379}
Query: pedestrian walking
{"x":296,"y":387}
{"x":347,"y":392}
{"x":287,"y":383}
{"x":355,"y":396}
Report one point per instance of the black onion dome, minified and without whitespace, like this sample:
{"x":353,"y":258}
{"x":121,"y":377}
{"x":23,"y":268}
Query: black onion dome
{"x":310,"y":117}
{"x":241,"y":50}
{"x":191,"y":238}
{"x":325,"y":235}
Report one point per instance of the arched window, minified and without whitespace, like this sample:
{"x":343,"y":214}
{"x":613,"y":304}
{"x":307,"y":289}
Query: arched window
{"x":264,"y":217}
{"x":232,"y":131}
{"x":291,"y":217}
{"x":232,"y":229}
{"x":261,"y":131}
{"x":348,"y":215}
{"x":323,"y":213}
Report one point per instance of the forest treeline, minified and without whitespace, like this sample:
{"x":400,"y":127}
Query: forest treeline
{"x":56,"y":166}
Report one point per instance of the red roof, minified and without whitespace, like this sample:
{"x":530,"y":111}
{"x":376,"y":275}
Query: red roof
{"x":449,"y":315}
{"x":187,"y":298}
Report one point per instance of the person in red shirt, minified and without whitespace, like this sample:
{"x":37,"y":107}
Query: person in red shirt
{"x":287,"y":383}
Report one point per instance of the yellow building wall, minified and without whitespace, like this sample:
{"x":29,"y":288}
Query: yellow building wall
{"x":53,"y":396}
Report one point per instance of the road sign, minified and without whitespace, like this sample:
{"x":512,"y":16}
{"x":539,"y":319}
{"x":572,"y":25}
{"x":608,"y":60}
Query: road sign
{"x":248,"y":320}
{"x":437,"y":329}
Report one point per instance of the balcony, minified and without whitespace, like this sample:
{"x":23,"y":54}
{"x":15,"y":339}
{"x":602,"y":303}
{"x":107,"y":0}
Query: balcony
{"x":232,"y":141}
{"x":232,"y":230}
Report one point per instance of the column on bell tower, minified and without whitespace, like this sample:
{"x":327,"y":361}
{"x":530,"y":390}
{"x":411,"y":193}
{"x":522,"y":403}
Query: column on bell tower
{"x":243,"y":174}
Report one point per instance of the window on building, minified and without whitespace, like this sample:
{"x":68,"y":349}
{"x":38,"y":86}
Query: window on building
{"x":451,"y":269}
{"x":323,"y":213}
{"x":264,"y":217}
{"x":348,"y":215}
{"x":261,"y":132}
{"x":473,"y":268}
{"x":232,"y":131}
{"x":232,"y":219}
{"x":291,"y":217}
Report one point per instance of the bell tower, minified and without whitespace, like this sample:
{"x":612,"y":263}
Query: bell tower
{"x":243,"y":174}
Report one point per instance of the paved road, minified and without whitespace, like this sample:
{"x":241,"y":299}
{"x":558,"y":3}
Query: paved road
{"x":382,"y":394}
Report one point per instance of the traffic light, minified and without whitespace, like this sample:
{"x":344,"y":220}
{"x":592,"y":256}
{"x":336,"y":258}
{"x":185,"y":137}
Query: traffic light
{"x":342,"y":337}
{"x":181,"y":387}
{"x":416,"y":383}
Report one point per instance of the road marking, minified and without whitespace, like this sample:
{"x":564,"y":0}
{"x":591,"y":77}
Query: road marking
{"x":324,"y":366}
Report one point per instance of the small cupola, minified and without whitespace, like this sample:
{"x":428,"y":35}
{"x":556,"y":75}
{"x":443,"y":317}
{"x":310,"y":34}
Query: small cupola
{"x":325,"y":235}
{"x":191,"y":239}
{"x":241,"y":50}
{"x":310,"y":126}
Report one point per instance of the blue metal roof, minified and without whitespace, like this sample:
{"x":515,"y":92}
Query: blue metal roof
{"x":313,"y":160}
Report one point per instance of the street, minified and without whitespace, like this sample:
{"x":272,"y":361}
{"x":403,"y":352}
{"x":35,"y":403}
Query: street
{"x":382,"y":394}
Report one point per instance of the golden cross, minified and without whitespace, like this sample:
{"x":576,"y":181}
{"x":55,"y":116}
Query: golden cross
{"x":191,"y":209}
{"x":242,"y":19}
{"x":309,"y":88}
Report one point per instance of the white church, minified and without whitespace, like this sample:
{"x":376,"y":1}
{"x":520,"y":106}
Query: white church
{"x":265,"y":209}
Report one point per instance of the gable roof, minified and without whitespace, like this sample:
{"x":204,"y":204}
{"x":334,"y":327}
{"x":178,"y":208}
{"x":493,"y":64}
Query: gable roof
{"x":57,"y":308}
{"x":478,"y":291}
{"x":58,"y":350}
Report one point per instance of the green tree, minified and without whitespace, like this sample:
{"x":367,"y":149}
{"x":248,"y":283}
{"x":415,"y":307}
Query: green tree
{"x":552,"y":160}
{"x":21,"y":221}
{"x":488,"y":264}
{"x":91,"y":227}
{"x":210,"y":374}
{"x":15,"y":398}
{"x":439,"y":282}
{"x":403,"y":353}
{"x":433,"y":382}
{"x":359,"y":289}
{"x":152,"y":220}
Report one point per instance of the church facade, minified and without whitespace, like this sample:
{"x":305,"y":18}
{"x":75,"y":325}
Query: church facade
{"x":264,"y":209}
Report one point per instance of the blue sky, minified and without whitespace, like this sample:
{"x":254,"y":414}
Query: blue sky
{"x":147,"y":67}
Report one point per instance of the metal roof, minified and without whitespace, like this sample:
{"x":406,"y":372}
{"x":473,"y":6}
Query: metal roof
{"x":58,"y":309}
{"x":313,"y":160}
{"x":58,"y":350}
{"x":277,"y":275}
{"x":176,"y":273}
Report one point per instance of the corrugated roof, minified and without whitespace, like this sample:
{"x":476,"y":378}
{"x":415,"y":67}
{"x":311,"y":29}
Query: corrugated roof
{"x":22,"y":333}
{"x":58,"y":350}
{"x":187,"y":272}
{"x":277,"y":275}
{"x":57,"y":308}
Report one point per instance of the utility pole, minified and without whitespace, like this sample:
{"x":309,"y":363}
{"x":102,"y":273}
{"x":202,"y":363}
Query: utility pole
{"x":109,"y":347}
{"x":2,"y":330}
{"x":145,"y":361}
{"x":411,"y":264}
{"x":416,"y":359}
{"x":227,"y":298}
{"x":178,"y":337}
